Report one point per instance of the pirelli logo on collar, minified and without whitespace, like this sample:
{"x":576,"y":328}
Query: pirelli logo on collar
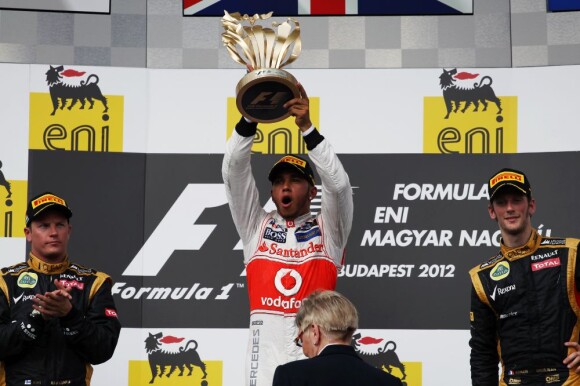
{"x":47,"y":198}
{"x":293,"y":160}
{"x":506,"y":176}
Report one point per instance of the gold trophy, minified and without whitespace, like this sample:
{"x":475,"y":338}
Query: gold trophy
{"x":262,"y":92}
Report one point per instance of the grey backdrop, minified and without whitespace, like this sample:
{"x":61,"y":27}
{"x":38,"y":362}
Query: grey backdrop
{"x":118,"y":204}
{"x":153,"y":34}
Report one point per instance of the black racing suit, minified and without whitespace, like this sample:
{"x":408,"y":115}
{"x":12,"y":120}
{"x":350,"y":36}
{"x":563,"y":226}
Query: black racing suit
{"x":58,"y":351}
{"x":524,"y":306}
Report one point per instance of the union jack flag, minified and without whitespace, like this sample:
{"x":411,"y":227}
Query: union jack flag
{"x":328,"y":7}
{"x":563,"y":5}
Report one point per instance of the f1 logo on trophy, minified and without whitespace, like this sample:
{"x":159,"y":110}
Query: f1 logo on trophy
{"x":262,"y":92}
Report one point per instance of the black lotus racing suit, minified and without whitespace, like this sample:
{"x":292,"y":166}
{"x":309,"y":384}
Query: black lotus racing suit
{"x":524,"y":306}
{"x":58,"y":351}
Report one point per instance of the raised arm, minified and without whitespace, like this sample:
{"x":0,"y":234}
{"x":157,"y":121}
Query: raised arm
{"x":239,"y":182}
{"x":337,"y":201}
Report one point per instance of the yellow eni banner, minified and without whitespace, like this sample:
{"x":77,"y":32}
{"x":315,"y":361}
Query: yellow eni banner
{"x":74,"y":126}
{"x":469,"y":117}
{"x":178,"y":371}
{"x":74,"y":114}
{"x":276,"y":138}
{"x":12,"y":208}
{"x":410,"y":373}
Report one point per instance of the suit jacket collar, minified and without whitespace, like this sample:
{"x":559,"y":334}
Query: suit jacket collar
{"x":334,"y":349}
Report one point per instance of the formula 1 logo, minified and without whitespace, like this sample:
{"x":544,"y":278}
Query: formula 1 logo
{"x":288,"y":281}
{"x":177,"y":230}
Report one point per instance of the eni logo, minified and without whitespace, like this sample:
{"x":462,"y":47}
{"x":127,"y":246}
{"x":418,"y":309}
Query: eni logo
{"x":500,"y":271}
{"x":469,"y":117}
{"x":74,"y":114}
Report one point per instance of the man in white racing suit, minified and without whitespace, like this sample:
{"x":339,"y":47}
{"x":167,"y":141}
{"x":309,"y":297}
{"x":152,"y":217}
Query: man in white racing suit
{"x":289,"y":252}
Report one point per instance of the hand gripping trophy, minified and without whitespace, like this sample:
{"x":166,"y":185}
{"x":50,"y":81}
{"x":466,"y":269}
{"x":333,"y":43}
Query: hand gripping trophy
{"x":262,"y":92}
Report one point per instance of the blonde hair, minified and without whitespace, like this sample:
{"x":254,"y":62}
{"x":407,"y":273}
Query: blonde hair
{"x":331,"y":311}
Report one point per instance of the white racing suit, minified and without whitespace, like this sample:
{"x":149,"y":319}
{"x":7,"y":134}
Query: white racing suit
{"x":285,"y":260}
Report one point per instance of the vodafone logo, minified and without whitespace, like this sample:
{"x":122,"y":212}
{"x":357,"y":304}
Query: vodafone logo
{"x":288,"y":281}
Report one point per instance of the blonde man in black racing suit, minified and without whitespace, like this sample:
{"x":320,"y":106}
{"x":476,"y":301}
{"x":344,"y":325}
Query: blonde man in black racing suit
{"x":57,"y":318}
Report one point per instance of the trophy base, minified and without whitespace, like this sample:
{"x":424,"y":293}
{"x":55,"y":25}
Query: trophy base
{"x":261,"y":94}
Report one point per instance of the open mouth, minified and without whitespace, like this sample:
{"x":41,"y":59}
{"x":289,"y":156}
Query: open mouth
{"x":286,"y":200}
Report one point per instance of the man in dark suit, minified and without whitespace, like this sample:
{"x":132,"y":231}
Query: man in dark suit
{"x":326,"y":322}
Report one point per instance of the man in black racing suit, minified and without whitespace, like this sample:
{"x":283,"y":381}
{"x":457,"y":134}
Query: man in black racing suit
{"x":56,"y":318}
{"x":524,"y":300}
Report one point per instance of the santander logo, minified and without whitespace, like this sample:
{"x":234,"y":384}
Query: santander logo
{"x":263,"y":247}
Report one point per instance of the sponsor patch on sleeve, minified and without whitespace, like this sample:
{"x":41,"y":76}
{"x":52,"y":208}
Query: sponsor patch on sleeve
{"x":553,"y":242}
{"x":491,"y":261}
{"x":302,"y":236}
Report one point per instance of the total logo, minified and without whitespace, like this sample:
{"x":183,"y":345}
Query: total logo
{"x":550,"y":263}
{"x":72,"y":284}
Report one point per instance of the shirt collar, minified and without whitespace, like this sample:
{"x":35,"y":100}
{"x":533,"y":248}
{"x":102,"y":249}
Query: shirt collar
{"x":48,"y":268}
{"x":528,"y":248}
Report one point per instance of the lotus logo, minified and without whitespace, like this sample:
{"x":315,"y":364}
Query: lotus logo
{"x":500,"y":271}
{"x":27,"y":280}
